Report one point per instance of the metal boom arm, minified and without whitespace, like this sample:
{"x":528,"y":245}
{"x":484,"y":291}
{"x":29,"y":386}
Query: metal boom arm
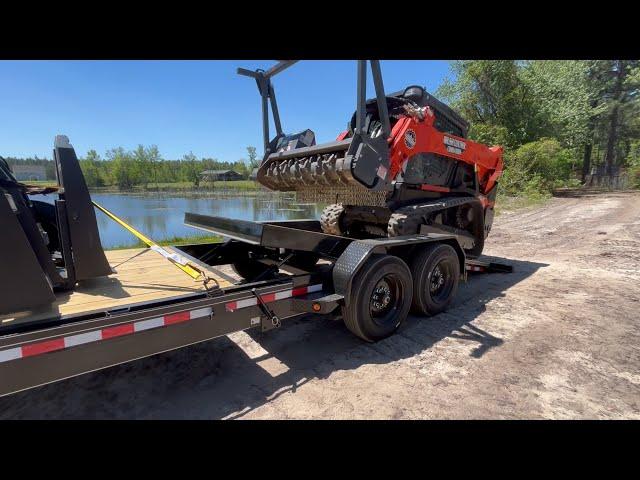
{"x":265,"y":87}
{"x":263,"y":80}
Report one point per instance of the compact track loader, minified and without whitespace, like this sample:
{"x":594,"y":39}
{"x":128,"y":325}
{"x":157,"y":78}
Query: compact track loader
{"x":403,"y":166}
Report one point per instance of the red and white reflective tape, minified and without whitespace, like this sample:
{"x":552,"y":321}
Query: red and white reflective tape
{"x":103,"y":334}
{"x":272,"y":297}
{"x":473,"y":268}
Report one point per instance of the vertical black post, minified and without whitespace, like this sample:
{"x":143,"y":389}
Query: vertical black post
{"x":265,"y":114}
{"x":65,"y":243}
{"x":362,"y":96}
{"x":383,"y":112}
{"x":89,"y":260}
{"x":274,"y":109}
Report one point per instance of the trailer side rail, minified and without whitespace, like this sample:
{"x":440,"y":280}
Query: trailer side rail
{"x":39,"y":357}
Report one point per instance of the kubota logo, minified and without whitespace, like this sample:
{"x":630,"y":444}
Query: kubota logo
{"x":454,"y":146}
{"x":410,"y":139}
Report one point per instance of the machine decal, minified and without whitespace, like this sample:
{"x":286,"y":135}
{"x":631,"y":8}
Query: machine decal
{"x":454,"y":146}
{"x":410,"y":139}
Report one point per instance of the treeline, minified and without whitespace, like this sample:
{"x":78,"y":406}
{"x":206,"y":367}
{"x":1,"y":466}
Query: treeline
{"x":143,"y":166}
{"x":558,"y":120}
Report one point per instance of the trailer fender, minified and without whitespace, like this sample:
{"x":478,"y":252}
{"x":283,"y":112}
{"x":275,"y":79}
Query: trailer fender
{"x":358,"y":251}
{"x":349,"y":263}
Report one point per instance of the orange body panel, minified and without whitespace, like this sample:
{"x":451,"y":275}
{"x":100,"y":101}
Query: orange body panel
{"x":426,"y":139}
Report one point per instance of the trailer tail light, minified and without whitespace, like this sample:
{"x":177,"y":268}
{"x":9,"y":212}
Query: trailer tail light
{"x":272,"y":297}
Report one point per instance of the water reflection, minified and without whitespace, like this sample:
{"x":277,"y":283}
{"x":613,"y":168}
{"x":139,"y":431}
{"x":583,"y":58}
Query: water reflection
{"x":160,"y":216}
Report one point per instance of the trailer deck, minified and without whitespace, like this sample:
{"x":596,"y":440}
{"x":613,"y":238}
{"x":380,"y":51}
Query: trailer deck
{"x":141,"y":275}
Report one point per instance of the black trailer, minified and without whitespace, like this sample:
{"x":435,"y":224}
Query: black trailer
{"x":371,"y":283}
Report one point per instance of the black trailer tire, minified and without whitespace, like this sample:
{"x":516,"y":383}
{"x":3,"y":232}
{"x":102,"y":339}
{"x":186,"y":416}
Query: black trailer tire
{"x":436,"y":275}
{"x":380,"y":298}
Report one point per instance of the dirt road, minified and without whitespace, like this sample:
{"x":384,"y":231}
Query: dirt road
{"x":558,"y":338}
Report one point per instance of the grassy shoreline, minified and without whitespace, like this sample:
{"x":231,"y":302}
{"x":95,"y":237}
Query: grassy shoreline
{"x":175,"y":241}
{"x":235,"y":186}
{"x":232,"y":186}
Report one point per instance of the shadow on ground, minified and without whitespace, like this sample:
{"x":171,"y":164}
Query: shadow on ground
{"x":224,"y":379}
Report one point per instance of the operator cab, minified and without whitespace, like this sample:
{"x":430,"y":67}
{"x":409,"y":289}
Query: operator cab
{"x":446,"y":121}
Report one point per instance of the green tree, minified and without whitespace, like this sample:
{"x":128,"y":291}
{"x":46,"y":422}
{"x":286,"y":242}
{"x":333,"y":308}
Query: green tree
{"x":153,"y":158}
{"x":633,"y":161}
{"x":566,"y":97}
{"x":141,"y":165}
{"x":493,"y":96}
{"x":193,"y":168}
{"x":123,"y":168}
{"x":253,"y":157}
{"x":538,"y":166}
{"x":562,"y":92}
{"x":617,"y":83}
{"x":90,"y":169}
{"x":241,"y":167}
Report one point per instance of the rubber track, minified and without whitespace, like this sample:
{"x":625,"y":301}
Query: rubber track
{"x":406,"y":220}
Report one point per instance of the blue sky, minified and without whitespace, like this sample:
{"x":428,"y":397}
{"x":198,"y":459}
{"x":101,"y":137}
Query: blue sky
{"x":181,"y":106}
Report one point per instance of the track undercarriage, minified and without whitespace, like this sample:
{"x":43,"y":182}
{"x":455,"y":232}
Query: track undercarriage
{"x":461,"y":216}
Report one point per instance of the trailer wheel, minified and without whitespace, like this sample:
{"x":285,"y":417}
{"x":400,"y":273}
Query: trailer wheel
{"x":436,"y":273}
{"x":380,"y":298}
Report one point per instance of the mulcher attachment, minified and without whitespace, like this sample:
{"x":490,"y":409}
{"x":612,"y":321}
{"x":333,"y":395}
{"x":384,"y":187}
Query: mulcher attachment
{"x":326,"y":173}
{"x":47,"y":247}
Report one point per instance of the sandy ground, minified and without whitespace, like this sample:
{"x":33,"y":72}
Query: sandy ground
{"x":558,"y":338}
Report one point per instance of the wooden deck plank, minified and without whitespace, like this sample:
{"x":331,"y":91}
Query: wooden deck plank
{"x":142,"y":276}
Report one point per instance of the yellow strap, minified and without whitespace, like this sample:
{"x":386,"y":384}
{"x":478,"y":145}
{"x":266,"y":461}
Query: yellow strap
{"x":174,"y":258}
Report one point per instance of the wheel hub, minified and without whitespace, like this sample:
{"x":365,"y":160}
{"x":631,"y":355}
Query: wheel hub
{"x":381,"y":297}
{"x":436,"y":281}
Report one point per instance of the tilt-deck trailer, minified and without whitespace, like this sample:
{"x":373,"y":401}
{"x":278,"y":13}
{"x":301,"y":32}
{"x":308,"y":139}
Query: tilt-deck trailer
{"x":371,"y":283}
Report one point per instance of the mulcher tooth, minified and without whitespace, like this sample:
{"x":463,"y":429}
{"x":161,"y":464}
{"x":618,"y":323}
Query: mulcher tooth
{"x":316,"y":170}
{"x":330,"y":169}
{"x":272,"y":176}
{"x":340,"y":170}
{"x":282,"y":173}
{"x":305,"y":172}
{"x":329,"y":177}
{"x":289,"y":172}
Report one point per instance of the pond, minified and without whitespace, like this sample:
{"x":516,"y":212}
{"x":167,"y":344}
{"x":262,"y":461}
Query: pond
{"x":160,"y":216}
